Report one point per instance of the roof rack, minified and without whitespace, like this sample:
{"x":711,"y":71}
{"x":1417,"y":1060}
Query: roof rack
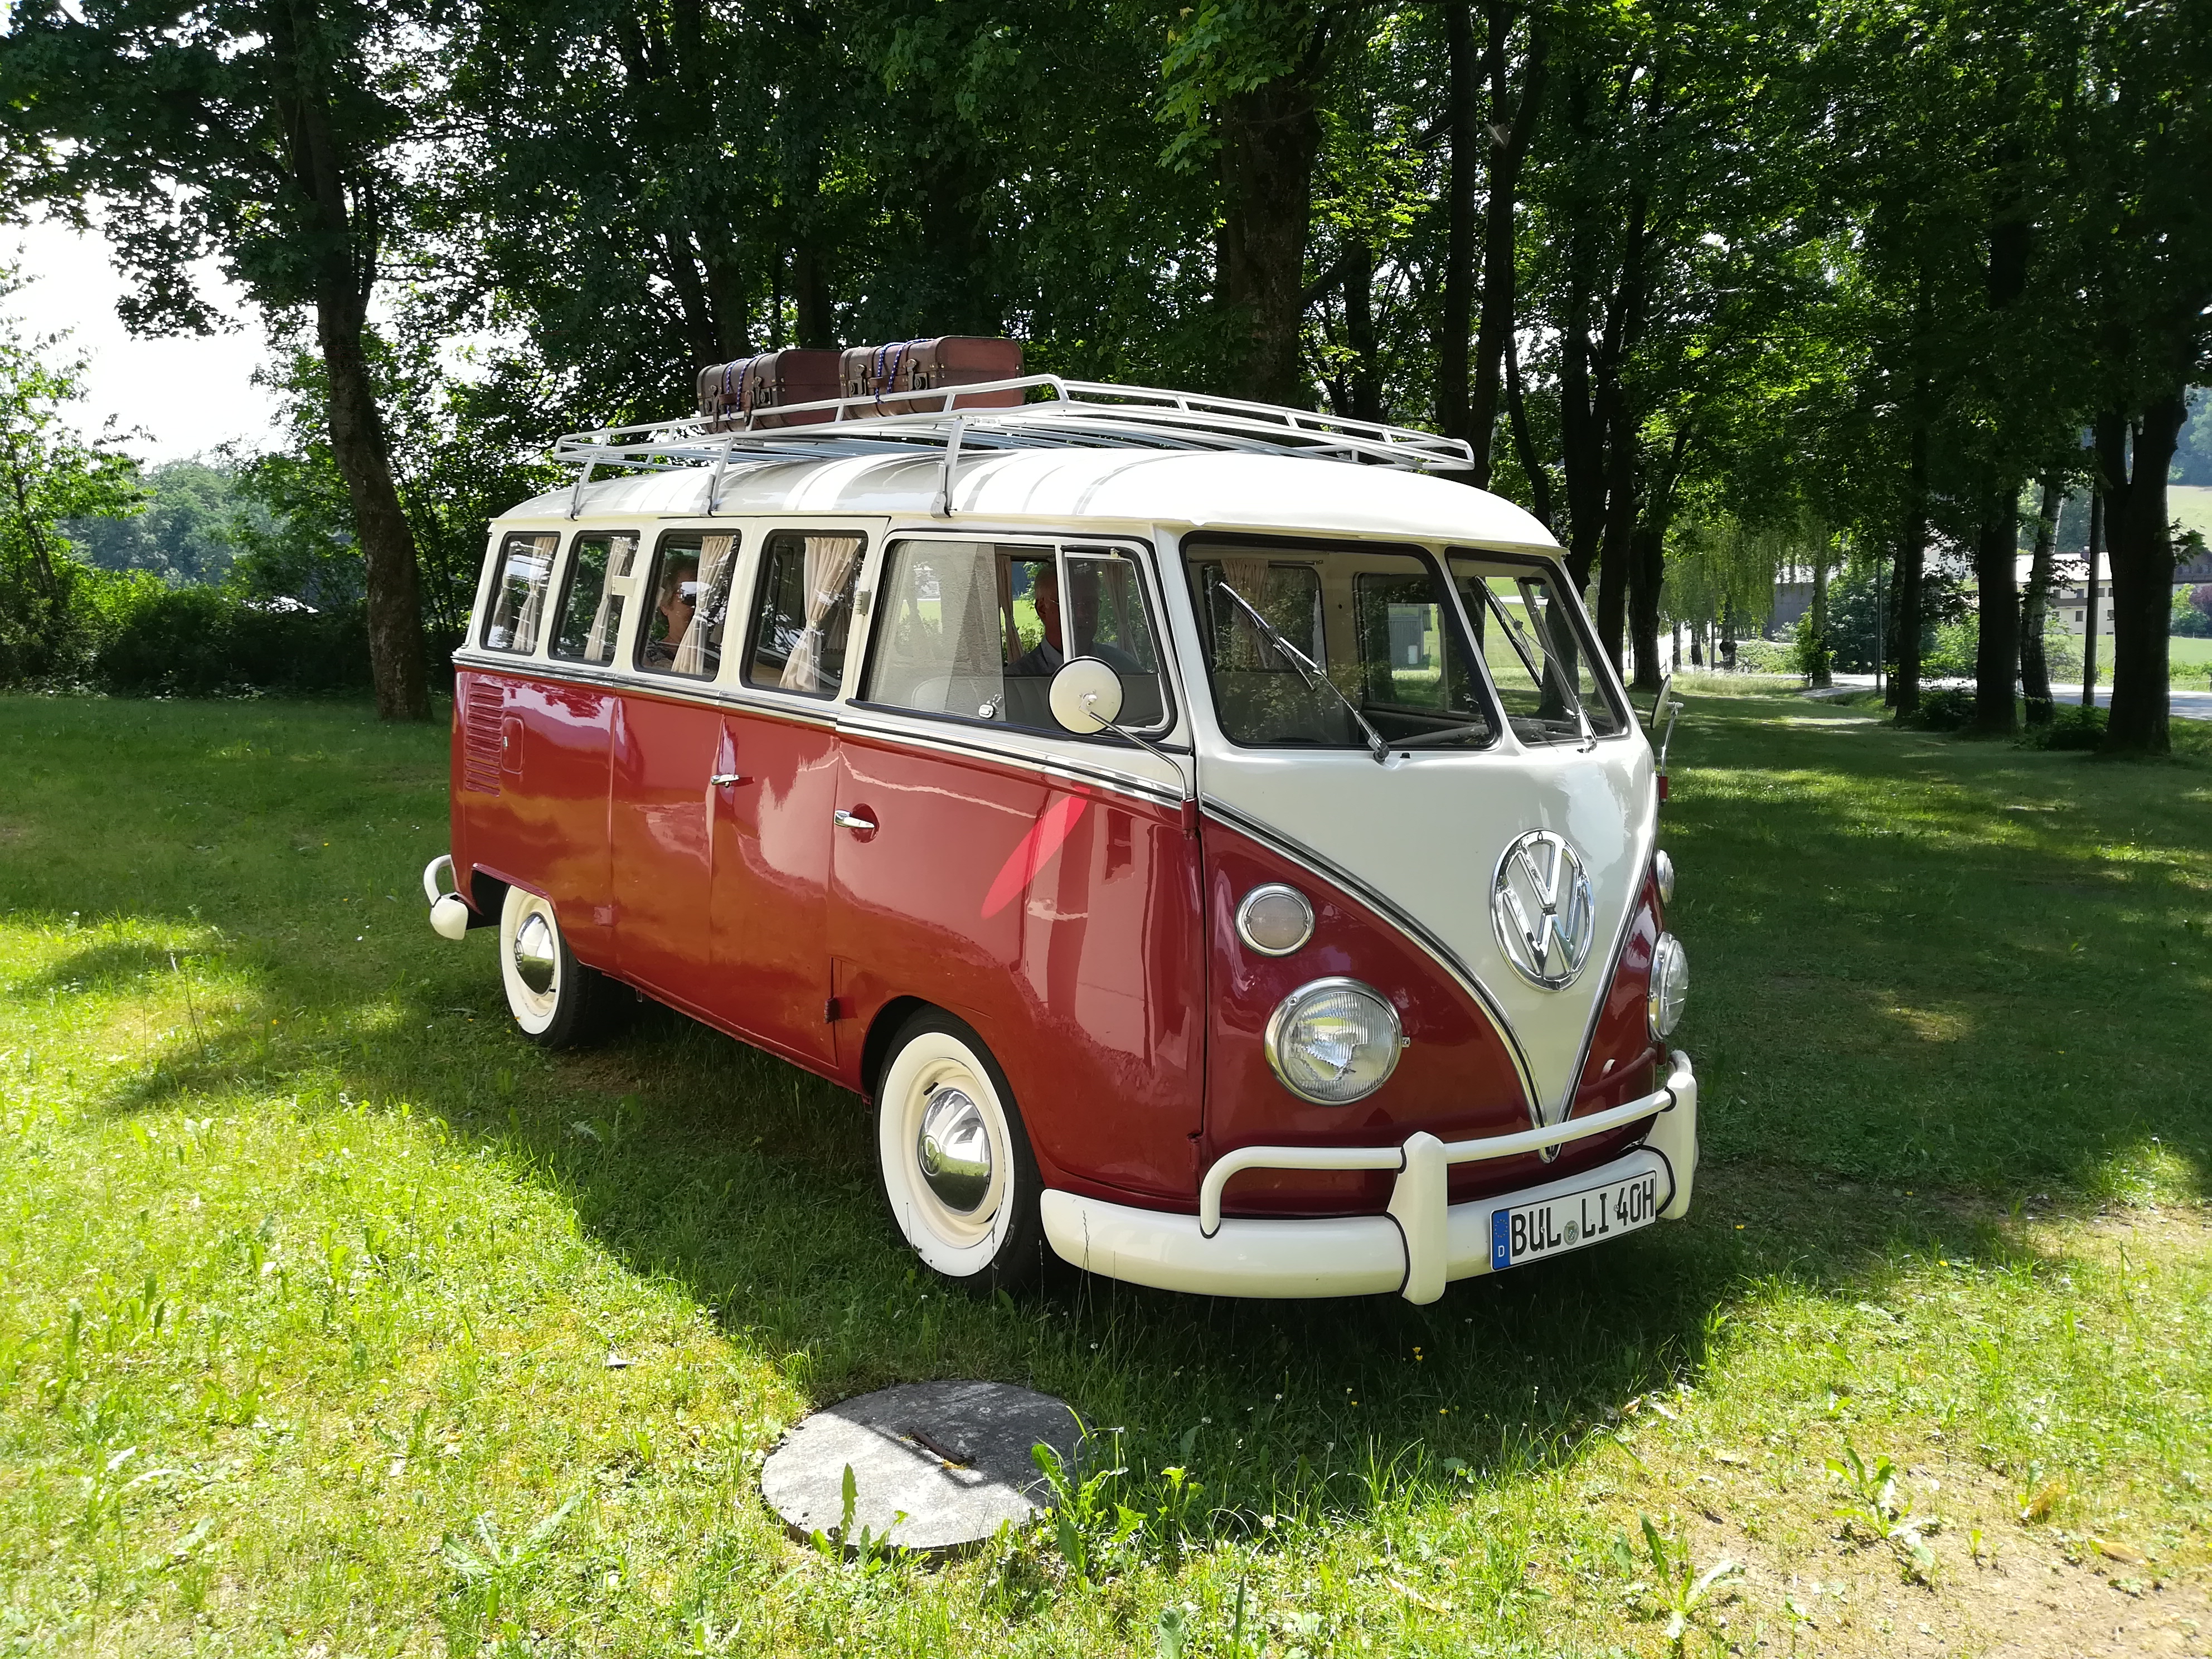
{"x":1054,"y":414}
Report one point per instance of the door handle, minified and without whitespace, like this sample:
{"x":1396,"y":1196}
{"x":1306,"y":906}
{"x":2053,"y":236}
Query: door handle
{"x":726,"y":780}
{"x":845,"y":820}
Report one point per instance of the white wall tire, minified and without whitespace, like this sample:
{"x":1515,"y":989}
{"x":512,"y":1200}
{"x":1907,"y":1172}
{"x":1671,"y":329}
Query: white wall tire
{"x":979,"y":1230}
{"x":556,"y":1000}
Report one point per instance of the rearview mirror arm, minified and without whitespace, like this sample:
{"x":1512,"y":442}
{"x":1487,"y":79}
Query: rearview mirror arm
{"x":1143,"y":743}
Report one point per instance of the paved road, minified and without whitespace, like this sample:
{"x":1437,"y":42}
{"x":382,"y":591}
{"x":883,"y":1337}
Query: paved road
{"x":2189,"y":705}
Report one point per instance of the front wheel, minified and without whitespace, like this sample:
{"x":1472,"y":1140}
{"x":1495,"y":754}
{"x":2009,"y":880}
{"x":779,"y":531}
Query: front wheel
{"x":957,"y":1169}
{"x":556,"y":1000}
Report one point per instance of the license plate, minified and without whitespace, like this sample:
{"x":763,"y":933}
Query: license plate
{"x":1526,"y":1232}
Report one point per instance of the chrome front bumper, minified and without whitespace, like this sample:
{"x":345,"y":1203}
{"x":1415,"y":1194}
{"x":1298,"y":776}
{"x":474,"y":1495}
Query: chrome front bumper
{"x":1417,"y":1245}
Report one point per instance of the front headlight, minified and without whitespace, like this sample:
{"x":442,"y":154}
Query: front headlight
{"x":1670,"y":985}
{"x":1333,"y":1042}
{"x":1663,"y":873}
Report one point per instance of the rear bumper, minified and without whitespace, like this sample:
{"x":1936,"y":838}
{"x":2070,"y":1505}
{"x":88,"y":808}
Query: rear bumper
{"x":1419,"y":1245}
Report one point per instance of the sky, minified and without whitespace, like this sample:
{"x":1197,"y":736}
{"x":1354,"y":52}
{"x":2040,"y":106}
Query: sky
{"x":183,"y":396}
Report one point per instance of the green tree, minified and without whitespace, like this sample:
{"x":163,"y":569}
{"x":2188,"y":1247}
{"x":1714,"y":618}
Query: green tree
{"x":1246,"y":83}
{"x":187,"y":533}
{"x":49,"y":474}
{"x":270,"y":132}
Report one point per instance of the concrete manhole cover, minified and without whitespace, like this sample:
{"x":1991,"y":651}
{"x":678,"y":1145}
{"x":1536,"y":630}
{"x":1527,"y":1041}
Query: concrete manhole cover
{"x":952,"y":1458}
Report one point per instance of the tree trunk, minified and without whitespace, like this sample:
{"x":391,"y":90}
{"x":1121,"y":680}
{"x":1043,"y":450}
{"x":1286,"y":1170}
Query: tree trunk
{"x":1647,"y":564}
{"x":1582,"y":438}
{"x":345,"y":253}
{"x":2035,"y":605}
{"x":2095,"y":611}
{"x":1911,"y":561}
{"x":1996,"y":653}
{"x":1618,"y":554}
{"x":2143,"y":575}
{"x":1509,"y":148}
{"x":1270,"y":135}
{"x":815,"y":324}
{"x":1456,"y":326}
{"x":1648,"y":559}
{"x":1533,"y":465}
{"x":1817,"y":672}
{"x":394,"y":603}
{"x":1359,"y":332}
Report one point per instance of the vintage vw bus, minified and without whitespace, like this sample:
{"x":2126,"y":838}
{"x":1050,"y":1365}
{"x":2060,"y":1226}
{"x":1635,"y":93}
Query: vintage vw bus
{"x":1215,"y":847}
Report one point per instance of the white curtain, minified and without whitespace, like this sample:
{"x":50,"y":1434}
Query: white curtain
{"x":716,"y":555}
{"x":830,"y":561}
{"x":536,"y":567}
{"x":1246,"y":649}
{"x":606,"y":621}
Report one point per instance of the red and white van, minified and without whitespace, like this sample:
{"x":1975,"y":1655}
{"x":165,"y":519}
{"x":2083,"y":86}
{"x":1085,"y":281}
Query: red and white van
{"x":1216,"y":848}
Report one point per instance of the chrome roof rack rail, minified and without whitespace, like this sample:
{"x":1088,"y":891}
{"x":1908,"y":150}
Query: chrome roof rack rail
{"x":1053,"y":414}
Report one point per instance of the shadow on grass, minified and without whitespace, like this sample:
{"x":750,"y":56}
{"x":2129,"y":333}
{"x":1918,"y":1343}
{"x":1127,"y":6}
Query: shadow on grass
{"x":751,"y":1184}
{"x":1882,"y":989}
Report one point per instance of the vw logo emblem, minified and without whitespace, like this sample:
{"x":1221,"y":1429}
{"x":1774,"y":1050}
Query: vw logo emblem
{"x":1541,"y":904}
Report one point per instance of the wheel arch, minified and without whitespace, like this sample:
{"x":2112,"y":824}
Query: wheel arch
{"x":886,"y":1024}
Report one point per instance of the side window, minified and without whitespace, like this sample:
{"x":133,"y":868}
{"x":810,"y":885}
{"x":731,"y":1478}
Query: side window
{"x":803,"y":611}
{"x":517,"y":601}
{"x":599,"y":571}
{"x":1105,"y":617}
{"x":945,"y":630}
{"x":1287,"y":595}
{"x":1536,"y":653}
{"x":690,"y":599}
{"x":1406,"y":660}
{"x":978,"y":631}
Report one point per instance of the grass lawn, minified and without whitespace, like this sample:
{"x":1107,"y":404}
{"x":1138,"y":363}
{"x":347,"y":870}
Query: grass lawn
{"x":2192,"y":505}
{"x":336,"y":1320}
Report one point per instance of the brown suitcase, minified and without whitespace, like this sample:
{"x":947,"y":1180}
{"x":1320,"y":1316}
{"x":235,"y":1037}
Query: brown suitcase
{"x":796,"y":376}
{"x":916,"y":365}
{"x":723,"y":390}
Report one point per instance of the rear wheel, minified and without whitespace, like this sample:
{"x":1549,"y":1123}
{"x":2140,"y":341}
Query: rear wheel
{"x":957,"y":1167}
{"x":555,"y":999}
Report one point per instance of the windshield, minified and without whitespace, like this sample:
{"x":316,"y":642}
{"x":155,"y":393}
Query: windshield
{"x":1537,"y":655}
{"x":1334,"y":647}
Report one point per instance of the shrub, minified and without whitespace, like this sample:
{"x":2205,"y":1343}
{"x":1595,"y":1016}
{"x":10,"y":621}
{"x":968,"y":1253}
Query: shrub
{"x":1766,"y":656}
{"x":2192,"y":612}
{"x":2072,"y":726}
{"x":1949,"y":709}
{"x":204,"y":642}
{"x":1812,"y":655}
{"x":1952,"y":655}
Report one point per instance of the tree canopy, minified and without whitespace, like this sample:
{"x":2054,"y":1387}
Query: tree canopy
{"x":1687,"y":274}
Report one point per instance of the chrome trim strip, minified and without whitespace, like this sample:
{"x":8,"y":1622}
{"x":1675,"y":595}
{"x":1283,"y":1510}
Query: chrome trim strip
{"x":820,"y":713}
{"x":1611,"y":968}
{"x":933,"y":738}
{"x":1438,"y":951}
{"x":1479,"y":1150}
{"x":806,"y":711}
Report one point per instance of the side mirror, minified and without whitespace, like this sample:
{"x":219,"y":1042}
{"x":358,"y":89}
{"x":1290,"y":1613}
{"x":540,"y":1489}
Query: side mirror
{"x":1086,"y":695}
{"x":1659,"y":702}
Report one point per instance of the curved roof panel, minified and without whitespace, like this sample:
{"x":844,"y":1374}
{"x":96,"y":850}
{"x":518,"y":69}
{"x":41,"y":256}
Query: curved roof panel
{"x":1281,"y":493}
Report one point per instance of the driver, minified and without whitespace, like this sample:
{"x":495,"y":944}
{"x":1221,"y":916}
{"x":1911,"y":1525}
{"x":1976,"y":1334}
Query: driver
{"x":1047,"y":655}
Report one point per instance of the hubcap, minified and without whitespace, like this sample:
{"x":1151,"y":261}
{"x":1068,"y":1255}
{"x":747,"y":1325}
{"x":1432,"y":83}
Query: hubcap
{"x":954,"y":1150}
{"x":536,"y":953}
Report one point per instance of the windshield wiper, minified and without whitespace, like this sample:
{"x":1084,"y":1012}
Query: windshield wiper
{"x":1307,"y":670}
{"x":1425,"y":738}
{"x":1525,"y":648}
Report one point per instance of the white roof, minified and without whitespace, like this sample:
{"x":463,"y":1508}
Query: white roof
{"x":1070,"y":488}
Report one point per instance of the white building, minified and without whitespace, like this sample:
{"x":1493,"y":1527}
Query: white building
{"x":2071,"y":605}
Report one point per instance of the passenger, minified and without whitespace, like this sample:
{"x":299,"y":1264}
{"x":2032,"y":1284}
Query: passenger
{"x":679,"y":601}
{"x":1047,"y":655}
